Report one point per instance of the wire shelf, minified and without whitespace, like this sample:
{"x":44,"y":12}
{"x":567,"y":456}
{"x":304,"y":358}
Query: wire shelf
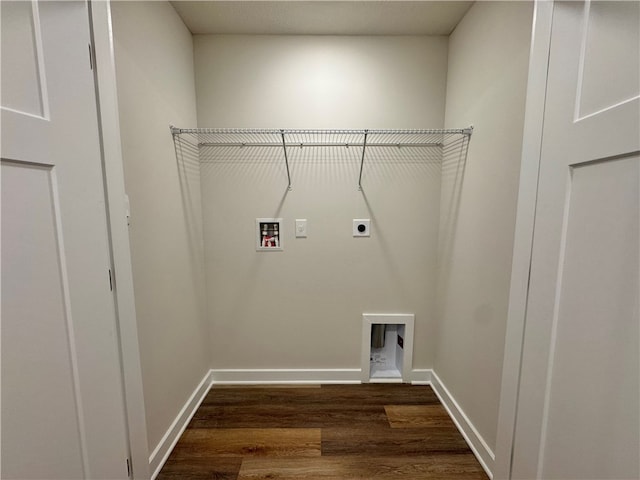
{"x":301,"y":138}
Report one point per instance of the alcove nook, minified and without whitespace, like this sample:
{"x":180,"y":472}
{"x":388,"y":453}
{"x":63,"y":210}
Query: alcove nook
{"x":326,"y":122}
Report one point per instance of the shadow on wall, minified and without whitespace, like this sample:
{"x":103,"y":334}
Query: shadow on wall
{"x":254,"y":299}
{"x":454,"y":159}
{"x":188,"y":166}
{"x":247,"y":283}
{"x":395,"y":276}
{"x":247,"y":168}
{"x":253,"y":167}
{"x":244,"y":169}
{"x":259,"y":165}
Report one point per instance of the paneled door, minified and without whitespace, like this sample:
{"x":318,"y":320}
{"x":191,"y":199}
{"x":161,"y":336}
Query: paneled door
{"x":62,"y":410}
{"x":578,"y":412}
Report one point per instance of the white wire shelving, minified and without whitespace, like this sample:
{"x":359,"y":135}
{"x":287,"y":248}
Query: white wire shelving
{"x":289,"y":138}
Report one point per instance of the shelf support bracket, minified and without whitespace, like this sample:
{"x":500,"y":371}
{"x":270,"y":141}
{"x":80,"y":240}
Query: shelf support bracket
{"x":364,"y":149}
{"x":286,"y":159}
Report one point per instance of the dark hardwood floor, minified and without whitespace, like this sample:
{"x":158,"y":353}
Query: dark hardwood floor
{"x":328,"y":432}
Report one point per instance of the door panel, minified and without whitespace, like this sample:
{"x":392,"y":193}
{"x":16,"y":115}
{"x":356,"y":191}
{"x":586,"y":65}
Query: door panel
{"x":595,"y":335}
{"x":37,"y":350}
{"x":608,"y":74}
{"x":578,"y":400}
{"x":62,"y":397}
{"x":23,"y":74}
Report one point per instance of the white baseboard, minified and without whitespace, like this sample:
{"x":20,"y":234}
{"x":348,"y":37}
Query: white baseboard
{"x":162,"y":451}
{"x":239,"y":376}
{"x":285,"y":376}
{"x":480,"y":449}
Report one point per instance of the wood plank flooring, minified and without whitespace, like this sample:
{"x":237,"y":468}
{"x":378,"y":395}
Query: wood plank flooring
{"x":328,"y":432}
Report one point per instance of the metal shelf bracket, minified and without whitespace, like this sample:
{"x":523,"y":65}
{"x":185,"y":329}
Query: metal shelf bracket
{"x":364,"y":150}
{"x":286,"y":159}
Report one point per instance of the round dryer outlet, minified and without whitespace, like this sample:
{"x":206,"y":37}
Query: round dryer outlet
{"x":361,"y":227}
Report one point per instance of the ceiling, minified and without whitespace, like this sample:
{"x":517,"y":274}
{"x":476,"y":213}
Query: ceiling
{"x":322,"y":17}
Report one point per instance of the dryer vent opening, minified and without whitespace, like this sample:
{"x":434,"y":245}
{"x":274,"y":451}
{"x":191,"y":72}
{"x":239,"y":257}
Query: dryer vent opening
{"x":387,"y":347}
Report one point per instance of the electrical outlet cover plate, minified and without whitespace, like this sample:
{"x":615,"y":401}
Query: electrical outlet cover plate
{"x":361,"y":227}
{"x":301,"y":227}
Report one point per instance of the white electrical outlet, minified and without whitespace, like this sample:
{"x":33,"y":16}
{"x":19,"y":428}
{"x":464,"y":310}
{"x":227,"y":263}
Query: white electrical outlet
{"x":301,"y":227}
{"x":361,"y":227}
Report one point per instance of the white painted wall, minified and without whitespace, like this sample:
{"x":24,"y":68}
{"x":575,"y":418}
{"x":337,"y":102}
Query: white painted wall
{"x":154,"y":63}
{"x":302,"y":307}
{"x":486,"y":84}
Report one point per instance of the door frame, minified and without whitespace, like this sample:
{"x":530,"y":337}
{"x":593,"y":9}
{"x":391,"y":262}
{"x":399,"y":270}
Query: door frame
{"x":117,"y":210}
{"x":523,"y":238}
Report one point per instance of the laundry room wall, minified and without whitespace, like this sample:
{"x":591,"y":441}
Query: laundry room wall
{"x":301,"y":308}
{"x":486,"y":86}
{"x":154,"y":67}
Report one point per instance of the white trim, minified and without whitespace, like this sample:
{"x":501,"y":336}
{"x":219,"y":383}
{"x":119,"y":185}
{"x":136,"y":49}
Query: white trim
{"x":385,"y":380}
{"x":42,"y":73}
{"x":164,"y":448}
{"x":71,"y":330}
{"x":523,"y":239}
{"x":369,"y":319}
{"x":555,"y":321}
{"x":107,"y":96}
{"x":586,"y":11}
{"x":266,"y":376}
{"x":478,"y":446}
{"x":310,"y":376}
{"x":610,"y":107}
{"x":26,"y":114}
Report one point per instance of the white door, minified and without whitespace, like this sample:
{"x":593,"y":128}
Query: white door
{"x":579,"y":411}
{"x":62,"y":401}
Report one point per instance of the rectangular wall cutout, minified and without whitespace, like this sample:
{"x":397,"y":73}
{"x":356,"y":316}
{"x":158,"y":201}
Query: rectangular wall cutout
{"x":387,"y":347}
{"x":268,"y":234}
